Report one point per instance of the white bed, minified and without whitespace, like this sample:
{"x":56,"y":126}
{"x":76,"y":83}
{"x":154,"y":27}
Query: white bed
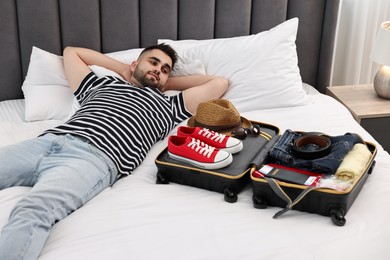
{"x":138,"y":219}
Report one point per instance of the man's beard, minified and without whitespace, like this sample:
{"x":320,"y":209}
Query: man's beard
{"x":140,"y":76}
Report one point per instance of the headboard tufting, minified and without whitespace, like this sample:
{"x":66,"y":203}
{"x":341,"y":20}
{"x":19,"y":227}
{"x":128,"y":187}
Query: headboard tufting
{"x":113,"y":25}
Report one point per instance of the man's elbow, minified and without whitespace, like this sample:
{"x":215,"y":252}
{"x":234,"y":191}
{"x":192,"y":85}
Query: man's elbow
{"x":67,"y":49}
{"x":223,"y":85}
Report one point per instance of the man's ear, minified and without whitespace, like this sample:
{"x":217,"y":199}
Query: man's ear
{"x":133,"y":65}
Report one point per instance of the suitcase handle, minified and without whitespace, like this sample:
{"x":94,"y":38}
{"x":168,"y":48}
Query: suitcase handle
{"x":290,"y":203}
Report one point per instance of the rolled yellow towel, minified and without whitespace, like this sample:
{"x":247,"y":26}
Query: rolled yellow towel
{"x":354,"y":163}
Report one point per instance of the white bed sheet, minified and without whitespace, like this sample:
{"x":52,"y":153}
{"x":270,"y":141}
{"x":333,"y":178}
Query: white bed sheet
{"x":138,"y":219}
{"x":12,"y":110}
{"x":13,"y":127}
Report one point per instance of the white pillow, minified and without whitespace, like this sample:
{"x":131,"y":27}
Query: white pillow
{"x":45,"y":88}
{"x":186,"y":66}
{"x":262,"y":69}
{"x":126,"y":56}
{"x":47,"y":93}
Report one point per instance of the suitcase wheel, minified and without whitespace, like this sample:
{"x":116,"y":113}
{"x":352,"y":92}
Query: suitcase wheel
{"x":230,"y":196}
{"x":337,"y":216}
{"x":161,"y":179}
{"x":259,"y":202}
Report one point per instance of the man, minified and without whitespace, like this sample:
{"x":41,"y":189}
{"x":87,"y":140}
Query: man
{"x":108,"y":137}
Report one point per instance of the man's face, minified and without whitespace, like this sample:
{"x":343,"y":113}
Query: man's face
{"x":152,"y":69}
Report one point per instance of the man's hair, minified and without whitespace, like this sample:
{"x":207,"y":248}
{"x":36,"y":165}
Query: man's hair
{"x":168,"y":50}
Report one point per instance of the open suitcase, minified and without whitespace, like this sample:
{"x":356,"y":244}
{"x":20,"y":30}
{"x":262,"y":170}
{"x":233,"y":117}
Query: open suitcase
{"x":229,"y":180}
{"x":266,"y":191}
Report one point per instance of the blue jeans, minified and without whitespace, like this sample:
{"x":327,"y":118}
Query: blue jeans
{"x":64,"y":172}
{"x":340,"y":146}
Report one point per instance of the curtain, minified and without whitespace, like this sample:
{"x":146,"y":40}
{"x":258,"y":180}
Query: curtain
{"x":358,"y":24}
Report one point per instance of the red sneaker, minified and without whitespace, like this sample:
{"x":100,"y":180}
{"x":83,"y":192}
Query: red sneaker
{"x":217,"y":140}
{"x":195,"y":152}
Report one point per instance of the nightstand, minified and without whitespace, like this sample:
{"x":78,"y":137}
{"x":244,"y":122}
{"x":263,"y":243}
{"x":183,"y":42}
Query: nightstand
{"x":369,"y":110}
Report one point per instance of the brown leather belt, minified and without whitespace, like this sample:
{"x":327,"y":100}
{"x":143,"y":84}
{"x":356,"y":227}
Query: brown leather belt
{"x":322,"y":146}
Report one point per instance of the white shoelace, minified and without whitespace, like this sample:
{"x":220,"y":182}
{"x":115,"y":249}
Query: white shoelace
{"x":201,"y":148}
{"x":217,"y":137}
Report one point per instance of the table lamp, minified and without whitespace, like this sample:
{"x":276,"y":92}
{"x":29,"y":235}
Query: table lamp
{"x":381,"y":55}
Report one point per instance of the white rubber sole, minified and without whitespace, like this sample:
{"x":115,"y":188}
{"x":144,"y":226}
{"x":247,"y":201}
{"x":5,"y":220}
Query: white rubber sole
{"x":233,"y":149}
{"x":208,"y":166}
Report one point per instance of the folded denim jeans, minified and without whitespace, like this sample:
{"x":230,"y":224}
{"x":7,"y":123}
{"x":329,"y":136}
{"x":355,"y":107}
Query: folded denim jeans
{"x":340,"y":146}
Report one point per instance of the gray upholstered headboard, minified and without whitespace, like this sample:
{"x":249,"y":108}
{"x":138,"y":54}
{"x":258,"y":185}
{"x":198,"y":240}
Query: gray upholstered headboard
{"x":113,"y":25}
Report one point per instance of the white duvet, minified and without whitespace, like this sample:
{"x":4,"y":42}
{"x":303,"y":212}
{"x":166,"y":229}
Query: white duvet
{"x":138,"y":219}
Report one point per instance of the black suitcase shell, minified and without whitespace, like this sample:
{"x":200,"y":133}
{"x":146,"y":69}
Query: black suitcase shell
{"x":229,"y":180}
{"x":326,"y":202}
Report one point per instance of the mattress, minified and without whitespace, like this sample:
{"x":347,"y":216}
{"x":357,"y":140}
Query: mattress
{"x":139,"y":219}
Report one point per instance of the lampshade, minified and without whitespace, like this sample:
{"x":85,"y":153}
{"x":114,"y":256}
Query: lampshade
{"x":381,"y":50}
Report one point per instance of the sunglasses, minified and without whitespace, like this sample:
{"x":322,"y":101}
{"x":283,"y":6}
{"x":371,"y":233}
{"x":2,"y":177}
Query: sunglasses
{"x":242,"y":132}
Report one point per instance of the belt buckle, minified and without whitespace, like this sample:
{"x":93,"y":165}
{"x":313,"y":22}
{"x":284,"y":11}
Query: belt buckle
{"x":322,"y":142}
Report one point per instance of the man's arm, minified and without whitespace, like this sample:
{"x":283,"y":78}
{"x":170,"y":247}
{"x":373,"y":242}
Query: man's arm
{"x":198,"y":88}
{"x":77,"y":60}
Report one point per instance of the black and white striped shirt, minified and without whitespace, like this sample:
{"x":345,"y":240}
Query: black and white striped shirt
{"x":122,"y":120}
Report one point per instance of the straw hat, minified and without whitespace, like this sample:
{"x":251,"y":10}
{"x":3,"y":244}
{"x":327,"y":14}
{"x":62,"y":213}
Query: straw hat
{"x":218,"y":115}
